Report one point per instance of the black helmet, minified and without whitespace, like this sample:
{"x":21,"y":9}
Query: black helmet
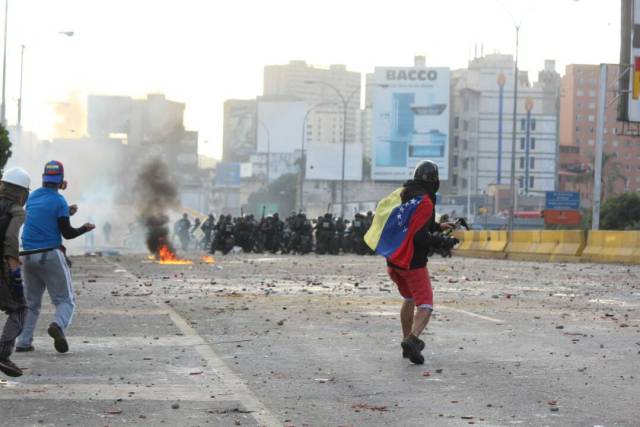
{"x":427,"y":173}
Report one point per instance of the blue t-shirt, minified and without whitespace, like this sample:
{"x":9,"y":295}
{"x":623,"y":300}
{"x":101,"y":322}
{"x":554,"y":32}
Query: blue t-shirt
{"x":41,"y":230}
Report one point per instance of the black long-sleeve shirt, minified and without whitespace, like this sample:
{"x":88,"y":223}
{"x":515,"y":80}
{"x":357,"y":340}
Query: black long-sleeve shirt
{"x":67,"y":231}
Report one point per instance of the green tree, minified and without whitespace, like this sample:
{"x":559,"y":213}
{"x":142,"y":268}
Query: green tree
{"x":611,"y":173}
{"x":621,"y":212}
{"x":5,"y":147}
{"x":281,"y":192}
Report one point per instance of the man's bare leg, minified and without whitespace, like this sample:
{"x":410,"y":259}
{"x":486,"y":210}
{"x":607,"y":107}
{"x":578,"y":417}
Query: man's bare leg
{"x":406,"y":317}
{"x":421,"y":320}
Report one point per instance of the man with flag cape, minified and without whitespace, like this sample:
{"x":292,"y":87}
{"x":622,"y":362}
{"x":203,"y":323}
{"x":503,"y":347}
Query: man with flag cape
{"x":405,"y":232}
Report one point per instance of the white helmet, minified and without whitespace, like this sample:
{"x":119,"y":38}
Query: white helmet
{"x":17,"y":176}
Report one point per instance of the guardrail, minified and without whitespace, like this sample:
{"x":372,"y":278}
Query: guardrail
{"x":551,"y":245}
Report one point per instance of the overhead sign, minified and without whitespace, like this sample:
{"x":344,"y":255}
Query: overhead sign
{"x":561,"y":217}
{"x":228,"y":175}
{"x":562,"y":200}
{"x":410,"y":121}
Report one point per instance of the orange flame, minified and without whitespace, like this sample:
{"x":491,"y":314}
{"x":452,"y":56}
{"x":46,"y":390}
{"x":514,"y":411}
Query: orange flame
{"x":208,"y":259}
{"x":169,"y":258}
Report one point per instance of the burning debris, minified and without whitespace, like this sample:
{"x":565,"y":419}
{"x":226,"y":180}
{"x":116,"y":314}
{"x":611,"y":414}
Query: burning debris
{"x":156,"y":194}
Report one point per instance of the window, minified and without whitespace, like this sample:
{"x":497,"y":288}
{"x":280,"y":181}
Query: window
{"x":592,"y":105}
{"x":454,"y":179}
{"x":521,"y":162}
{"x":465,"y":144}
{"x":531,"y":182}
{"x":592,"y":92}
{"x":592,"y":118}
{"x":532,"y":162}
{"x":456,"y":122}
{"x":455,"y":141}
{"x":580,"y":92}
{"x":533,"y":124}
{"x":465,"y":125}
{"x":577,"y":128}
{"x":455,"y":161}
{"x":523,"y":124}
{"x":464,"y":182}
{"x":522,"y":143}
{"x":520,"y":182}
{"x":532,"y":144}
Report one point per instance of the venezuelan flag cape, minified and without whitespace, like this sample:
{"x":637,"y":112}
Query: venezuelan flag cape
{"x":394,"y":225}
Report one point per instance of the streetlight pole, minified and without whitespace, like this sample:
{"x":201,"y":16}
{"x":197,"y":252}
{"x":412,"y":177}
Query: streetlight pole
{"x":469,"y":160}
{"x":345,"y":105}
{"x":3,"y":107}
{"x":528,"y":105}
{"x":20,"y":96}
{"x":502,"y":79}
{"x":513,"y":135}
{"x":261,"y":123}
{"x":303,"y":157}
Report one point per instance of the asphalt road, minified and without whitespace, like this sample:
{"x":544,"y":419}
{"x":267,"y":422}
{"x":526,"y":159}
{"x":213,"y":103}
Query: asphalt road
{"x":314,"y":341}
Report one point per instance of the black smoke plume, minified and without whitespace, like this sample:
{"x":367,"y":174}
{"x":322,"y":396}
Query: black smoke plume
{"x":156,"y":194}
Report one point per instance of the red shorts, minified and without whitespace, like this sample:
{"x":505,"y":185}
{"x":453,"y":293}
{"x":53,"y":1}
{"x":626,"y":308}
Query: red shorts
{"x":414,"y":285}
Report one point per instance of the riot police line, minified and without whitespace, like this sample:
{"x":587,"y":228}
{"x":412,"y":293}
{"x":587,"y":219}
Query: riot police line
{"x":297,"y":234}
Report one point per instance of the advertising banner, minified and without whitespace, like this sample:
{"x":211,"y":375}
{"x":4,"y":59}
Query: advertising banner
{"x":324,"y":162}
{"x":410,"y":121}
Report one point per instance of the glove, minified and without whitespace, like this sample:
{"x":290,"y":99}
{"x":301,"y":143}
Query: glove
{"x":16,"y":276}
{"x":16,"y":283}
{"x":446,"y":245}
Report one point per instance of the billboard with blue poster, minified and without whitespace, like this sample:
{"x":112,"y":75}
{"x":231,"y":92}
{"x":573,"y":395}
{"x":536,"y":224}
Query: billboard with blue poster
{"x":410,"y":121}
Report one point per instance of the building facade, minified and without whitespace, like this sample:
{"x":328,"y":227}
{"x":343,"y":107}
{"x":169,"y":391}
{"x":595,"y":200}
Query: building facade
{"x":324,"y":123}
{"x":482,"y":127}
{"x":578,"y":112}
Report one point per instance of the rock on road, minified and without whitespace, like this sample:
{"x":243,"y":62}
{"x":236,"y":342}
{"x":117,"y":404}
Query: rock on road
{"x":294,"y":341}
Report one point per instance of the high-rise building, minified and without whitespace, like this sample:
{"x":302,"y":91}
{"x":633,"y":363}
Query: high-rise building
{"x":578,"y":123}
{"x":482,"y":127}
{"x":324,"y":124}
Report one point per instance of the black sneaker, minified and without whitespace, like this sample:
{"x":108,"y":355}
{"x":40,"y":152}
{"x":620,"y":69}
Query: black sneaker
{"x":411,"y":345}
{"x":24,"y":349}
{"x":9,"y":368}
{"x":405,"y":355}
{"x":59,"y":341}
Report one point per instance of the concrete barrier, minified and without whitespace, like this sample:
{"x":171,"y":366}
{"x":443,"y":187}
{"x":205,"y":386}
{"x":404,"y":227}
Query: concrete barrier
{"x":570,"y":245}
{"x":552,"y":245}
{"x":481,"y":244}
{"x":613,"y":246}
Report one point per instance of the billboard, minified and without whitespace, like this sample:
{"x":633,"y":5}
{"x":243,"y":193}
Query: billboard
{"x":410,"y":121}
{"x":239,"y":133}
{"x":279,"y":126}
{"x":324,"y":162}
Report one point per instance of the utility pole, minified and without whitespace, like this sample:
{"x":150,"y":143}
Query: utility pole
{"x":513,"y":136}
{"x":597,"y":176}
{"x":3,"y":107}
{"x":20,"y":96}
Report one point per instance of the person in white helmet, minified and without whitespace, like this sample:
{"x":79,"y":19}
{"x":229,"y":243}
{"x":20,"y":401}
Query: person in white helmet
{"x":14,"y":190}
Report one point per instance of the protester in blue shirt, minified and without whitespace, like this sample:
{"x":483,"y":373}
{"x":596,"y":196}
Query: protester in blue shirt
{"x":44,"y":262}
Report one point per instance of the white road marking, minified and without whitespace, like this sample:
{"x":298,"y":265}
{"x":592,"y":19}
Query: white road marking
{"x":80,"y":343}
{"x":240,"y":390}
{"x":469,"y":313}
{"x":72,"y":391}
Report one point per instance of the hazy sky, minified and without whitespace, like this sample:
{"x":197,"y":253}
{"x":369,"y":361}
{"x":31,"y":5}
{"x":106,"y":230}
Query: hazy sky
{"x":205,"y":51}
